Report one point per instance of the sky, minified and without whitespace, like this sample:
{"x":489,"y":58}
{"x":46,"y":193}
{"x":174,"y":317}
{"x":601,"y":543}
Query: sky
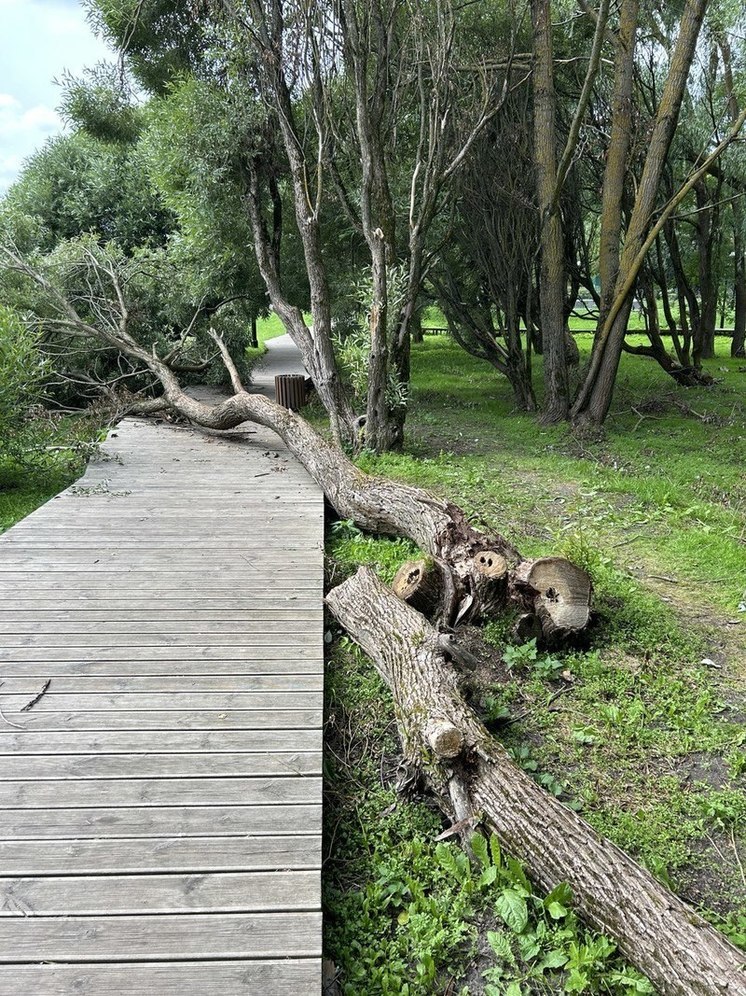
{"x":39,"y":40}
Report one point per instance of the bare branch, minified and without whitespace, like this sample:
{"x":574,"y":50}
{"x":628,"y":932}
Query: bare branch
{"x":230,"y":366}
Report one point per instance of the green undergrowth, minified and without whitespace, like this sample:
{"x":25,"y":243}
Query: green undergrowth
{"x":630,"y":731}
{"x":42,"y":465}
{"x":407,"y":914}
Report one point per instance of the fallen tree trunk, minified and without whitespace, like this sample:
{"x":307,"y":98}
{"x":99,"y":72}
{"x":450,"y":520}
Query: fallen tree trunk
{"x":479,"y":572}
{"x":472,"y":773}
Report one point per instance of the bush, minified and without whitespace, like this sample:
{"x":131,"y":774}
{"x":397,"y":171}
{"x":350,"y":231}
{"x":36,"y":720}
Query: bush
{"x":23,"y":370}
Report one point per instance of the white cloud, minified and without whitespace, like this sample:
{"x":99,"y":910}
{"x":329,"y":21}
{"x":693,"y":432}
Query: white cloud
{"x":41,"y":39}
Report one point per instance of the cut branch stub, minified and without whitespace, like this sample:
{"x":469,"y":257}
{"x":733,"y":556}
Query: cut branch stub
{"x":445,"y":739}
{"x":558,"y":592}
{"x":419,"y":583}
{"x":491,"y":564}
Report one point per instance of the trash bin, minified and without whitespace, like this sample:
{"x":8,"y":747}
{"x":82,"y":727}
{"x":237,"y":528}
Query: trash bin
{"x":290,"y":391}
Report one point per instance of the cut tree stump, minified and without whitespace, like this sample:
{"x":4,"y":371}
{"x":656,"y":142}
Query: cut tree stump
{"x":419,"y":584}
{"x":559,"y":593}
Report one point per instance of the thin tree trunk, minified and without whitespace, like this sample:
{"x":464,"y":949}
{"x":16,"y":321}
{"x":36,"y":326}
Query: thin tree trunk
{"x":616,"y":158}
{"x":552,"y":283}
{"x":738,"y":345}
{"x":471,"y":773}
{"x":707,"y":216}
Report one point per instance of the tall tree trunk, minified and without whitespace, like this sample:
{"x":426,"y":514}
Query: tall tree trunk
{"x":616,"y":158}
{"x":471,"y":773}
{"x":317,"y":350}
{"x":367,"y":40}
{"x":707,"y":217}
{"x":594,"y":399}
{"x":552,"y":284}
{"x":738,"y":345}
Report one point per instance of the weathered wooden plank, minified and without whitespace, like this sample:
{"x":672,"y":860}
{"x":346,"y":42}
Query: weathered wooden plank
{"x":205,"y":701}
{"x":114,"y":793}
{"x":153,"y":855}
{"x":168,"y":682}
{"x":24,"y":613}
{"x":43,"y":669}
{"x":157,"y":765}
{"x":125,"y":603}
{"x":247,"y":626}
{"x":239,"y":892}
{"x":242,"y":652}
{"x":137,"y":741}
{"x":243,"y":719}
{"x":155,"y":937}
{"x":299,"y":977}
{"x":155,"y":821}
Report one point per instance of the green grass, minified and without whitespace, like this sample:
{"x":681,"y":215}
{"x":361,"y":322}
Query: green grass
{"x":667,"y":481}
{"x":29,"y":479}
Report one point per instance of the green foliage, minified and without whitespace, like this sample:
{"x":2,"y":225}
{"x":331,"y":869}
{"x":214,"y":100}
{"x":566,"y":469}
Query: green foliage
{"x":23,"y":371}
{"x":350,"y":548}
{"x":78,"y":184}
{"x":352,"y":339}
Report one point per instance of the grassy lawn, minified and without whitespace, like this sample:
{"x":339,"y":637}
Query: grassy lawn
{"x":634,"y":729}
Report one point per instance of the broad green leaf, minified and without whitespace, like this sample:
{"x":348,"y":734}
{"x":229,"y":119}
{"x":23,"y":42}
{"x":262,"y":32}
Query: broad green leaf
{"x":556,"y":910}
{"x":553,"y":959}
{"x":561,"y":893}
{"x":501,"y":946}
{"x":513,"y":909}
{"x":488,"y":876}
{"x":479,"y":846}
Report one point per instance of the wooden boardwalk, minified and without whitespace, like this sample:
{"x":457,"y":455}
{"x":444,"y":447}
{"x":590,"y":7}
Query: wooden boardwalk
{"x":161,"y":659}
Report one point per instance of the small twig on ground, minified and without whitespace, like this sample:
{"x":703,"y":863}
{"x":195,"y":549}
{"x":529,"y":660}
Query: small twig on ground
{"x":40,"y":695}
{"x":663,"y":577}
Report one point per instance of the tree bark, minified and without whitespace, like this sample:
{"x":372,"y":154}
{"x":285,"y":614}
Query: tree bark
{"x":552,"y":286}
{"x":616,"y":158}
{"x":472,"y":773}
{"x":707,"y":223}
{"x":738,"y":345}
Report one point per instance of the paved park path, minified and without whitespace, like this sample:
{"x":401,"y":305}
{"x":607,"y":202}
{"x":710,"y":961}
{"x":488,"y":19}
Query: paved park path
{"x":161,"y":659}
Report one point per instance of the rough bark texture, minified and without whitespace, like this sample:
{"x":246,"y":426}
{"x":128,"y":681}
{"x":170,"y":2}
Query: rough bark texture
{"x":552,"y":292}
{"x":738,"y":345}
{"x":666,"y":939}
{"x":619,"y":141}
